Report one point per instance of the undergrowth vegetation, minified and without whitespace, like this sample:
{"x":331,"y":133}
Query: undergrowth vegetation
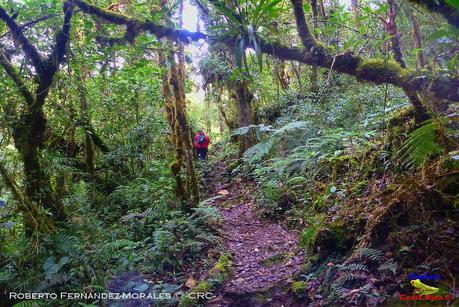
{"x":134,"y":230}
{"x":354,"y":188}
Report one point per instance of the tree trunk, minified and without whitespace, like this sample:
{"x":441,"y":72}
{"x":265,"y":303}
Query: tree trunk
{"x":314,"y":69}
{"x":88,"y":148}
{"x":37,"y":183}
{"x":240,"y":87}
{"x":175,"y":137}
{"x":391,"y":28}
{"x":417,"y":37}
{"x":184,"y":140}
{"x":244,"y":109}
{"x":280,"y":71}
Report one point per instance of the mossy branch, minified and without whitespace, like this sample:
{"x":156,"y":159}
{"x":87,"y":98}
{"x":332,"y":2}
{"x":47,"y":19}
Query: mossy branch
{"x":377,"y":71}
{"x":303,"y":29}
{"x":441,"y":7}
{"x":136,"y":26}
{"x":60,"y":49}
{"x":46,"y":75}
{"x":16,"y":31}
{"x":13,"y":74}
{"x":373,"y":70}
{"x":10,"y":183}
{"x":31,"y":23}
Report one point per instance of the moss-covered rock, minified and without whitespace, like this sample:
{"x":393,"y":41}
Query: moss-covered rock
{"x":188,"y":300}
{"x":299,"y":288}
{"x":334,"y":237}
{"x":220,"y":272}
{"x":222,"y":268}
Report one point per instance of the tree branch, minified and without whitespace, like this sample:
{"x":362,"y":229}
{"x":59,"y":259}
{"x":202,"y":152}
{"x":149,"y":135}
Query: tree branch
{"x":29,"y":50}
{"x":303,"y":29}
{"x":31,"y":23}
{"x":62,"y":38}
{"x":10,"y":183}
{"x":441,"y":7}
{"x":56,"y":57}
{"x":135,"y":26}
{"x":13,"y":74}
{"x":377,"y":71}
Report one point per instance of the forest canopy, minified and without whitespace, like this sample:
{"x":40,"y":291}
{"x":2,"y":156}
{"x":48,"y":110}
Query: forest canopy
{"x":333,"y":155}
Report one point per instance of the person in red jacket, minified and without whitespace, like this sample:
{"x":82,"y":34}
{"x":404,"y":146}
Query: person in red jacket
{"x":201,"y":143}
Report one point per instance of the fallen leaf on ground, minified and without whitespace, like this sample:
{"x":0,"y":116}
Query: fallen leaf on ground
{"x":190,"y":282}
{"x":223,"y":192}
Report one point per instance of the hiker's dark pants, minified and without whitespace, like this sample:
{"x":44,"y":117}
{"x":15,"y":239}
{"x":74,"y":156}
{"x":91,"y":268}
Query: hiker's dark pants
{"x":202,"y":153}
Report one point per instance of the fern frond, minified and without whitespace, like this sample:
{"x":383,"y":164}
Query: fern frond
{"x":389,"y":265}
{"x":109,"y":250}
{"x":421,"y":144}
{"x":369,"y":253}
{"x":55,"y":280}
{"x":353,"y":267}
{"x":28,"y":304}
{"x":258,"y":151}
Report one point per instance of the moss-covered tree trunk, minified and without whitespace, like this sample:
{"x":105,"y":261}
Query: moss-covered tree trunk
{"x":182,"y":129}
{"x":29,"y":131}
{"x":89,"y":154}
{"x":314,"y":69}
{"x":28,"y":137}
{"x":240,"y":88}
{"x":175,"y":137}
{"x":245,"y":112}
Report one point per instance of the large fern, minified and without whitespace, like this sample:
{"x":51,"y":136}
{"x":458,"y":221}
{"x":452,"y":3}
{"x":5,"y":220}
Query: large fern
{"x":110,"y":249}
{"x":421,"y":144}
{"x":263,"y":148}
{"x":56,"y":280}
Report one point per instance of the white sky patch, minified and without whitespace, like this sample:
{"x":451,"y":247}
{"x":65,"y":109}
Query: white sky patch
{"x":196,"y":50}
{"x":190,"y":16}
{"x":346,"y":3}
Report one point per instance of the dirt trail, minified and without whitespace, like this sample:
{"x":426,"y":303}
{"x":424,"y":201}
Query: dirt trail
{"x":265,"y":254}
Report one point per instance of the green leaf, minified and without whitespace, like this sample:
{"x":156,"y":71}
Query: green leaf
{"x":228,"y":13}
{"x":453,"y":3}
{"x":239,"y":52}
{"x":307,"y":7}
{"x":258,"y":54}
{"x":258,"y":151}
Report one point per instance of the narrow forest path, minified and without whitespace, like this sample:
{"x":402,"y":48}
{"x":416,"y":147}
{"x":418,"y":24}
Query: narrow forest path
{"x":265,"y":254}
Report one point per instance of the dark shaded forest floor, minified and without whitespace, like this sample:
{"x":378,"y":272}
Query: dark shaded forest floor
{"x":265,"y":255}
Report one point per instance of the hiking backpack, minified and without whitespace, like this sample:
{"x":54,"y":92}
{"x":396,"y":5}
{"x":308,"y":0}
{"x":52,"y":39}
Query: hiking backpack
{"x":201,"y":138}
